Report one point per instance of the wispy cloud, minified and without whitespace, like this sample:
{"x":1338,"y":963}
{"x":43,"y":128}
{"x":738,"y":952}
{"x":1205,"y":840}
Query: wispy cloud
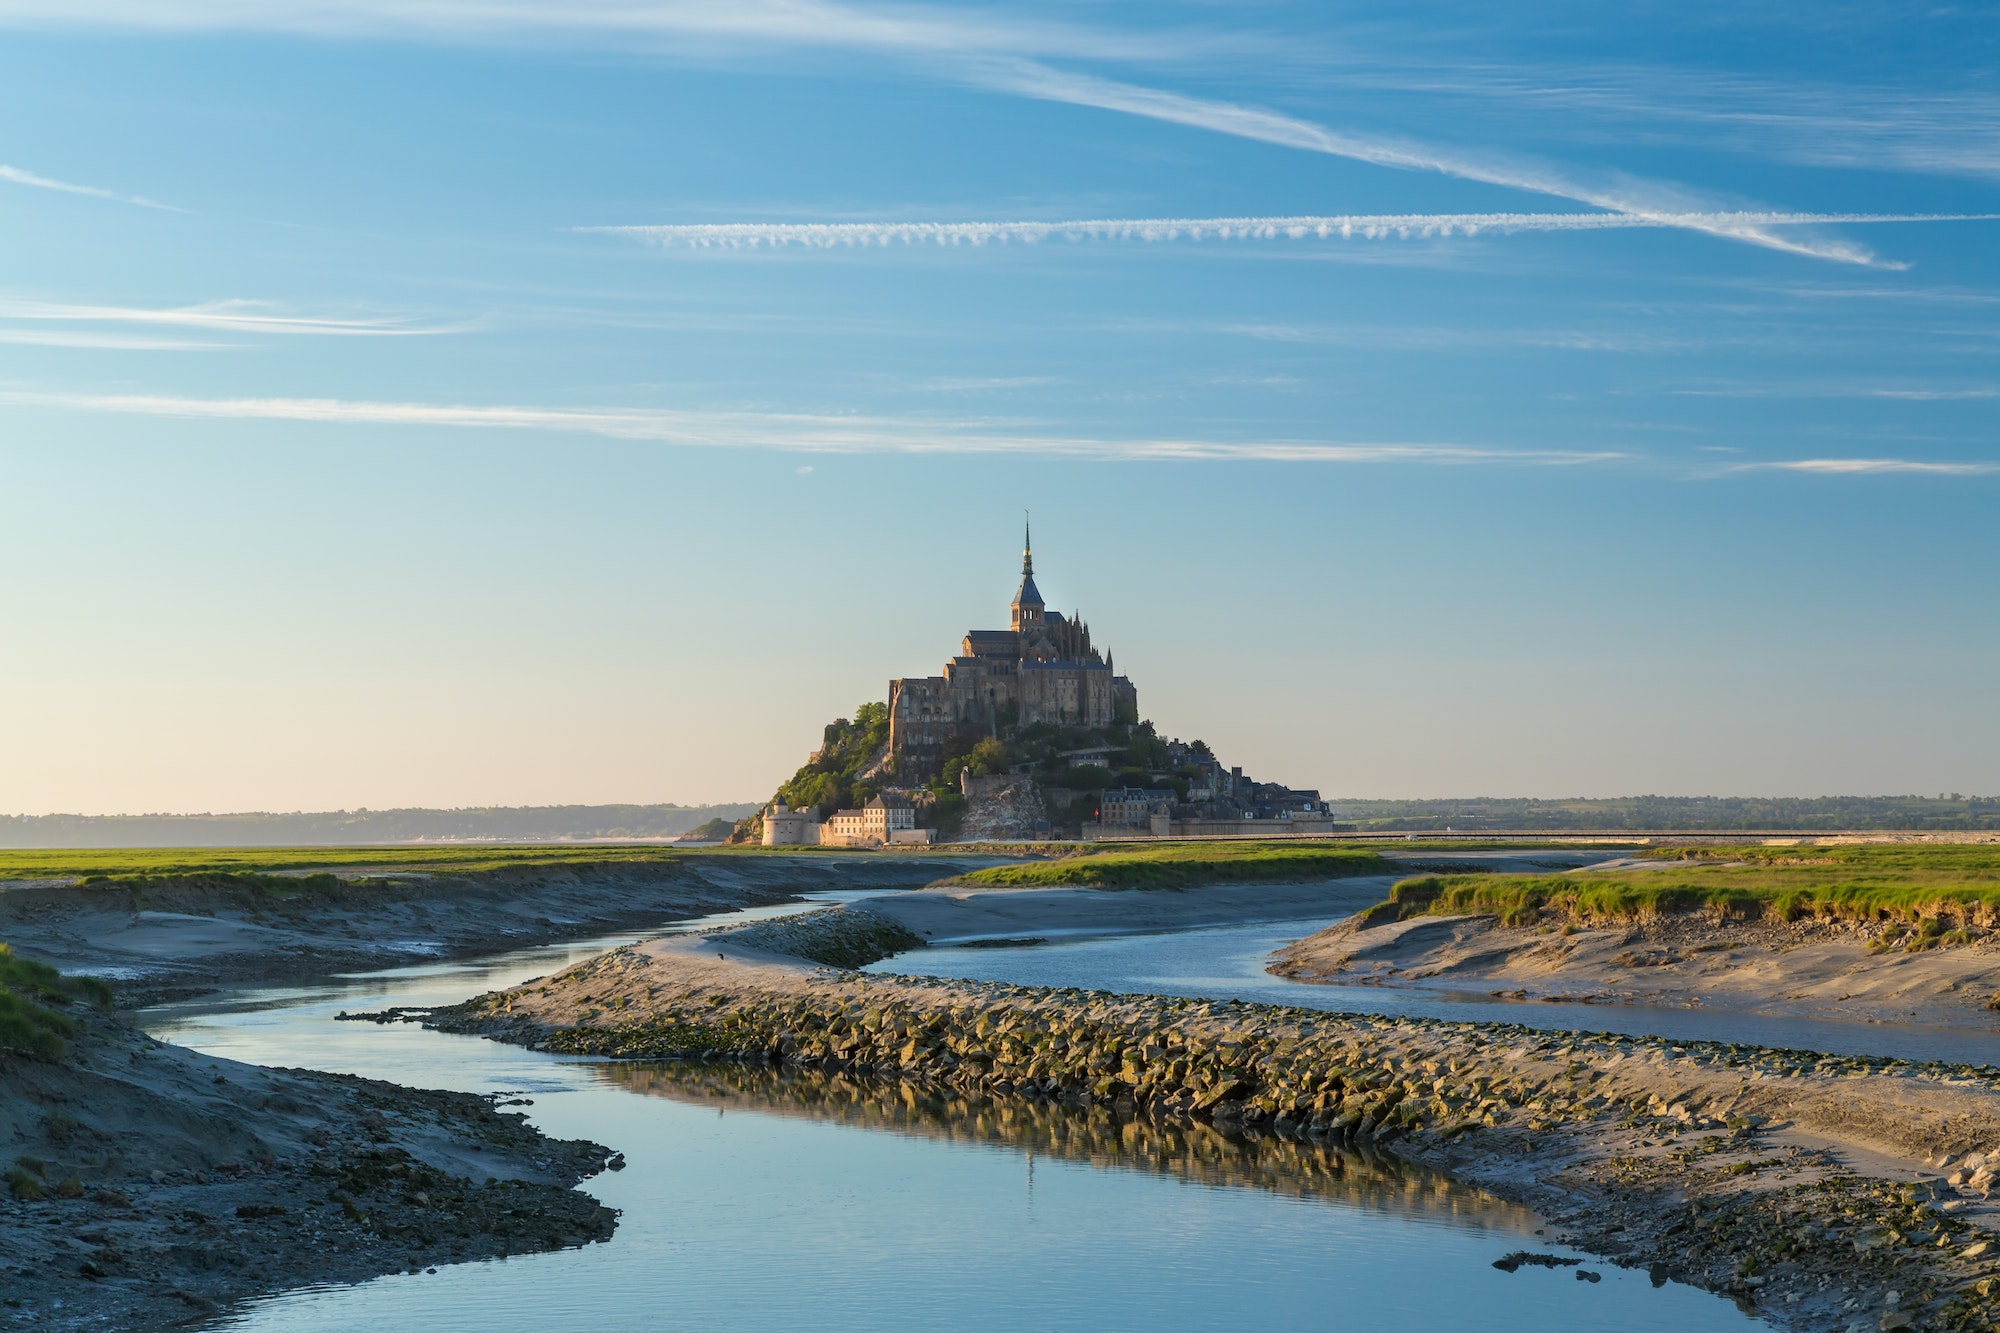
{"x":1948,"y":125}
{"x":97,"y":340}
{"x":909,"y":28}
{"x":222,"y":316}
{"x":983,"y":383}
{"x":1351,"y":226}
{"x":1617,"y":191}
{"x":800,"y":432}
{"x":985,"y":48}
{"x":1899,"y":394}
{"x":1870,"y":467}
{"x":22,"y":177}
{"x":829,"y":433}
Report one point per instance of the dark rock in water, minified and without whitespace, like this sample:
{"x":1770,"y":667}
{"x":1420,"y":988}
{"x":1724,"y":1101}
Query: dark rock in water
{"x":402,"y":1013}
{"x":1508,"y":1263}
{"x":1585,"y":1275}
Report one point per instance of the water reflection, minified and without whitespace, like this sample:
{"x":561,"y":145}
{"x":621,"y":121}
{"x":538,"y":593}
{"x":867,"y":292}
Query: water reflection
{"x":1191,"y":1152}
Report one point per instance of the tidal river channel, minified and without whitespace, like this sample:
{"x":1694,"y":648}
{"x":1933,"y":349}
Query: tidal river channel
{"x":754,"y":1199}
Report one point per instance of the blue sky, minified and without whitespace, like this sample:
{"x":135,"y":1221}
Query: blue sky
{"x":468,"y":401}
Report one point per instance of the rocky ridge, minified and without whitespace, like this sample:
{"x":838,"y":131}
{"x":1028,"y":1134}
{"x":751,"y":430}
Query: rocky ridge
{"x":1782,"y":1178}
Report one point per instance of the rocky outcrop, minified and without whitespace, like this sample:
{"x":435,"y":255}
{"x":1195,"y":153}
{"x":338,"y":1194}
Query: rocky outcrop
{"x":837,"y":937}
{"x":1002,"y":809}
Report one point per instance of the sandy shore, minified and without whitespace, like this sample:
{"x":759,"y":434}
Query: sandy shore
{"x":1808,"y":1189}
{"x":1817,"y":969}
{"x":151,"y":1186}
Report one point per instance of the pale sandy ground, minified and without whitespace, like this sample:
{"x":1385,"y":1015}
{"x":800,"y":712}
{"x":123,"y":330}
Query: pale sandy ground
{"x":1811,"y":969}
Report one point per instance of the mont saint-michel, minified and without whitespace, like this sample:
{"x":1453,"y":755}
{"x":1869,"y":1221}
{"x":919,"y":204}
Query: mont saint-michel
{"x":1030,"y":731}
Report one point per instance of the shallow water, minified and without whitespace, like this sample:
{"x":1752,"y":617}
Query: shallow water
{"x":1228,"y":962}
{"x":754,"y":1200}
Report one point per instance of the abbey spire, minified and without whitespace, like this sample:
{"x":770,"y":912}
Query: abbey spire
{"x":1027,"y":606}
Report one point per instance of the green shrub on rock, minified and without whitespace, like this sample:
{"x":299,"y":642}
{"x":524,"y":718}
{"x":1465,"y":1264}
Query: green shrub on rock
{"x":28,"y":1025}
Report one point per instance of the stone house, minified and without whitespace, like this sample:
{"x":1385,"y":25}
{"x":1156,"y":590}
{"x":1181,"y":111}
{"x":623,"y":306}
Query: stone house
{"x":1133,"y":807}
{"x":875,"y":824}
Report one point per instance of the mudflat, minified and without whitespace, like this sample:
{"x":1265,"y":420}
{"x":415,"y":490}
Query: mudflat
{"x":180,"y":934}
{"x":949,"y":913}
{"x":149,"y":1185}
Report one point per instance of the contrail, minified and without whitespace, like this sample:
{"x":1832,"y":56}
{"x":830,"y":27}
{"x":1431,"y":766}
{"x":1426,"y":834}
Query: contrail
{"x":1851,"y":467}
{"x":21,"y":176}
{"x":226,"y":316}
{"x":1348,"y":226}
{"x":822,"y":433}
{"x":799,"y":432}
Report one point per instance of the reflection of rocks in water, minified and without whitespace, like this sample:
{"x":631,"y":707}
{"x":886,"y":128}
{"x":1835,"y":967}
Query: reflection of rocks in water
{"x":1188,"y":1150}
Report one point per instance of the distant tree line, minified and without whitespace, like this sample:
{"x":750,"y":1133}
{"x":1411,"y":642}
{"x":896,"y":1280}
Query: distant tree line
{"x":1686,"y":814}
{"x":335,"y":828}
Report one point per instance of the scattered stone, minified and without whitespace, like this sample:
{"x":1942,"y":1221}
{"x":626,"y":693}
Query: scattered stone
{"x":1519,"y":1258}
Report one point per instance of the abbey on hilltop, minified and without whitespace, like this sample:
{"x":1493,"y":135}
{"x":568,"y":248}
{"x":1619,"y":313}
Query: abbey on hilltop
{"x":1029,"y":733}
{"x":1041,"y":669}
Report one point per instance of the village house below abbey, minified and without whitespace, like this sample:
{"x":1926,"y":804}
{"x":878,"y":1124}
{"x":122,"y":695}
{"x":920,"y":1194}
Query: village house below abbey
{"x":1040,"y":669}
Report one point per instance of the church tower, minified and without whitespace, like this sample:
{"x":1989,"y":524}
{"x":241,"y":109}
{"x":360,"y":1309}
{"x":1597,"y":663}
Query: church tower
{"x":1027,"y":606}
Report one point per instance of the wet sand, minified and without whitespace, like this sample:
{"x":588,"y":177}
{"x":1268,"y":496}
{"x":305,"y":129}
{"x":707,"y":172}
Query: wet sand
{"x":954,"y":914}
{"x":152,"y":1185}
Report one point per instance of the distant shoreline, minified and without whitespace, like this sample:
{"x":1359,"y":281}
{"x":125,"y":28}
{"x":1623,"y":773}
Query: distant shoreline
{"x":364,"y":827}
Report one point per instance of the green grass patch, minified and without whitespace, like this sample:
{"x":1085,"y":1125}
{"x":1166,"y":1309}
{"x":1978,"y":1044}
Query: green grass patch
{"x":121,"y":863}
{"x":1935,"y":894}
{"x":1183,"y":865}
{"x":32,"y":996}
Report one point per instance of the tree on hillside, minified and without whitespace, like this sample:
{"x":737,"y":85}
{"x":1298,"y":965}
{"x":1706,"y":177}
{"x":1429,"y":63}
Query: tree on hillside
{"x":847,"y":769}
